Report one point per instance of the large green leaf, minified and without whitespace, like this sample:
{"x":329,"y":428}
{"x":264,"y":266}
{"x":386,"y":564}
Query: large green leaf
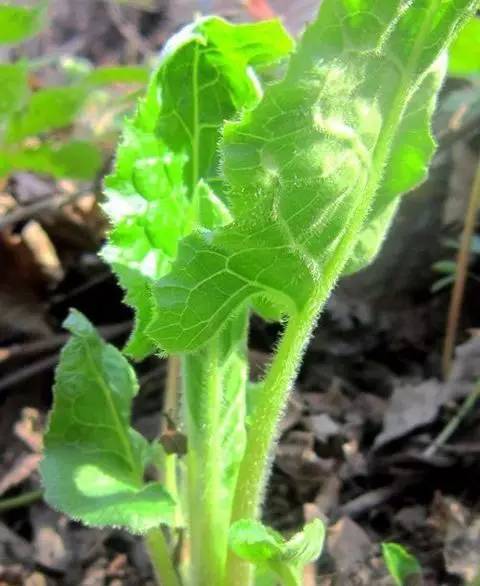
{"x":18,"y":23}
{"x":14,"y":84}
{"x":93,"y":466}
{"x":465,"y":51}
{"x":309,"y":169}
{"x":160,"y":190}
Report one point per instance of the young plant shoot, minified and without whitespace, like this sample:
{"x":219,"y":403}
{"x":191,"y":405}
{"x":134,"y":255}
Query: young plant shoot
{"x":232,"y":195}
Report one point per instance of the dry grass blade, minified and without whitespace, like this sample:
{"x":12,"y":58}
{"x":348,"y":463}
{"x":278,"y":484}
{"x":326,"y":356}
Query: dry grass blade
{"x":461,"y":275}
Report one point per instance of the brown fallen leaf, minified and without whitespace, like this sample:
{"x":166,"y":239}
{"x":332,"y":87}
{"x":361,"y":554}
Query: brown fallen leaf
{"x":411,"y":407}
{"x":459,"y":530}
{"x":296,"y":458}
{"x":333,"y":402}
{"x":323,"y":427}
{"x":52,"y":547}
{"x":465,"y":370}
{"x":462,"y":553}
{"x":348,"y":545}
{"x":13,"y":548}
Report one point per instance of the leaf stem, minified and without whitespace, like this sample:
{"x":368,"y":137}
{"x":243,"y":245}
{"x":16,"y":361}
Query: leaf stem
{"x":158,"y":550}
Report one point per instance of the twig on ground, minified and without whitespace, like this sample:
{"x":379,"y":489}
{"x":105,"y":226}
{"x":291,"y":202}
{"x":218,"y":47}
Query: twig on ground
{"x":26,"y":372}
{"x":93,"y":282}
{"x":453,"y":424}
{"x":22,"y":213}
{"x":40,"y":346}
{"x":369,"y":500}
{"x":22,"y":500}
{"x":461,"y":274}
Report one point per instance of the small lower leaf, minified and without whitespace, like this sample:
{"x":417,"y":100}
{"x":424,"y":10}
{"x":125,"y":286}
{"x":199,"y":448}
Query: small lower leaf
{"x":401,"y":564}
{"x":254,"y":542}
{"x":267,"y":549}
{"x":306,"y":546}
{"x":94,"y":462}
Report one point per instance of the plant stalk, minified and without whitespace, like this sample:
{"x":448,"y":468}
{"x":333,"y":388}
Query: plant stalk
{"x":263,"y":432}
{"x":160,"y":557}
{"x":208,"y":529}
{"x":170,"y":408}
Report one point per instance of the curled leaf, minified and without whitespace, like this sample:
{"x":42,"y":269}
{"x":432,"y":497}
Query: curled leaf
{"x":316,"y":169}
{"x":166,"y":183}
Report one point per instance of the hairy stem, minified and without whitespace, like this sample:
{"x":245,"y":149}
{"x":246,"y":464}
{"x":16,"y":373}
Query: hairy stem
{"x":208,"y":530}
{"x":158,"y":550}
{"x":170,"y":408}
{"x":263,"y":431}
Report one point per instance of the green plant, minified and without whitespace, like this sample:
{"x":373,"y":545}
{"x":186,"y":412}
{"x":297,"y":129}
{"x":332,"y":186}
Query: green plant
{"x":212,"y":220}
{"x":447,"y":267}
{"x":402,"y":566}
{"x":31,"y":120}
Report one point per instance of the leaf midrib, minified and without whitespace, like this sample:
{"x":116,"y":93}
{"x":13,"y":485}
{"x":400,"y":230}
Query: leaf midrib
{"x":381,"y":153}
{"x":115,"y":415}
